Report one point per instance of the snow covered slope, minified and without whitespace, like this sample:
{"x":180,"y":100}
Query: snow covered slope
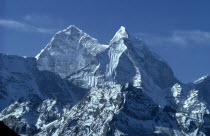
{"x":24,"y":89}
{"x":77,"y":86}
{"x":68,"y":51}
{"x":125,"y":60}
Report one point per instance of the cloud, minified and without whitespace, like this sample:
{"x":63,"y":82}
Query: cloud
{"x":42,"y":20}
{"x":28,"y":17}
{"x":38,"y":19}
{"x":193,"y":36}
{"x":178,"y":38}
{"x":17,"y":25}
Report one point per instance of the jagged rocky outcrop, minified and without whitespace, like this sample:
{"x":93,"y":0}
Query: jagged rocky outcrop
{"x":77,"y":86}
{"x":30,"y":98}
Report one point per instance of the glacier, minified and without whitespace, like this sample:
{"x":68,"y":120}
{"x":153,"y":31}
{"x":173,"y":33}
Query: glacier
{"x":77,"y":86}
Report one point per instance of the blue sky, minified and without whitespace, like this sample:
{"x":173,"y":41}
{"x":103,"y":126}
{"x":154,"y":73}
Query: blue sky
{"x":179,"y":31}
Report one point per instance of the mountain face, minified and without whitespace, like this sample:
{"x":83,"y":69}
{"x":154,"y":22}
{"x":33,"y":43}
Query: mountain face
{"x":77,"y":86}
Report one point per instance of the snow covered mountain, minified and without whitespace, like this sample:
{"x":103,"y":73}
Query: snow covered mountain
{"x":77,"y":86}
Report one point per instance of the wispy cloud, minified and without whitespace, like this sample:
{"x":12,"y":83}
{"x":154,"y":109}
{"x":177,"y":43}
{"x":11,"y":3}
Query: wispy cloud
{"x":17,"y":25}
{"x":28,"y":17}
{"x":40,"y":19}
{"x":178,"y":38}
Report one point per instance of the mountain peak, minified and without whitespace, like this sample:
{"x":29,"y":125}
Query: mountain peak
{"x":121,"y":33}
{"x":79,"y":86}
{"x":72,"y":29}
{"x":122,"y":29}
{"x":73,"y":26}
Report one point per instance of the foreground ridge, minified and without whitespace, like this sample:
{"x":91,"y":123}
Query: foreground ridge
{"x":77,"y":86}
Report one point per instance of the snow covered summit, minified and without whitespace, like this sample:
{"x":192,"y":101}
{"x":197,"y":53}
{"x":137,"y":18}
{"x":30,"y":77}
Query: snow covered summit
{"x":77,"y":86}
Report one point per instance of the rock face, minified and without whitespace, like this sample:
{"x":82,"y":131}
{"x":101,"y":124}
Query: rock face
{"x":29,"y":97}
{"x":77,"y":86}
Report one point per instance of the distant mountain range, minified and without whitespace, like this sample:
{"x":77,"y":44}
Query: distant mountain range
{"x":78,"y":87}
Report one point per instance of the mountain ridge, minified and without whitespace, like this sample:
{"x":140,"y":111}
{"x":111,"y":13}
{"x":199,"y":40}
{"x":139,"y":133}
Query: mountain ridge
{"x":78,"y":86}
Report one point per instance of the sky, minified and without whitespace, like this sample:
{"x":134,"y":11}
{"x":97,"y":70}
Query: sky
{"x":179,"y":31}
